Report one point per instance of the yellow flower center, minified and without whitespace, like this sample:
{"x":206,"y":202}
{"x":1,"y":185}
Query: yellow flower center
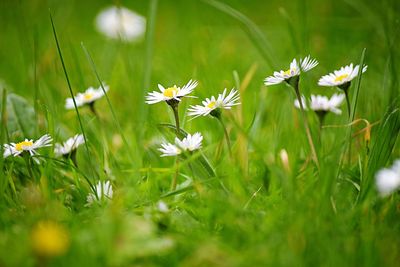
{"x":21,"y":145}
{"x":88,"y":96}
{"x":211,"y":104}
{"x":171,"y":91}
{"x":341,"y":77}
{"x":286,"y":72}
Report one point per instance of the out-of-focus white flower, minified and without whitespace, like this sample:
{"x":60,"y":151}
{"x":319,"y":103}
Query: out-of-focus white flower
{"x":223,"y":101}
{"x":173,"y":93}
{"x":69,"y":146}
{"x":189,"y":143}
{"x":104,"y":191}
{"x":87,"y":97}
{"x":294,"y":70}
{"x":28,"y":145}
{"x":341,"y":77}
{"x":322,"y":103}
{"x":388,"y":179}
{"x":162,"y":206}
{"x":120,"y":23}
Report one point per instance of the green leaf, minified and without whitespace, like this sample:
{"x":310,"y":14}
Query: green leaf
{"x":20,"y":117}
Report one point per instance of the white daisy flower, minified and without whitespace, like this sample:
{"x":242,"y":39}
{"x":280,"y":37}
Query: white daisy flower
{"x":189,"y":143}
{"x":28,"y":145}
{"x":173,"y":93}
{"x":388,"y":179}
{"x":86,"y":98}
{"x":342,"y":77}
{"x":69,"y":146}
{"x":212,"y":104}
{"x":104,"y":191}
{"x":320,"y":103}
{"x":294,"y":70}
{"x":168,"y":149}
{"x":121,"y":23}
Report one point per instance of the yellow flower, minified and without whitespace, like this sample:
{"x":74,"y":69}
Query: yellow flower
{"x":49,"y":239}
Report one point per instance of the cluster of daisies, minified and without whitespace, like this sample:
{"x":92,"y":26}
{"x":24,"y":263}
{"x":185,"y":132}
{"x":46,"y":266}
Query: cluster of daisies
{"x":320,"y":104}
{"x":212,"y":106}
{"x":29,"y":148}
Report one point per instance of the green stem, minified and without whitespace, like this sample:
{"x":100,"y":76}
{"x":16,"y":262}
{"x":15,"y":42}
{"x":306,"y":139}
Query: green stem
{"x":228,"y":142}
{"x":29,"y":166}
{"x":306,"y":125}
{"x":176,"y":116}
{"x":346,"y":93}
{"x":175,"y":178}
{"x":93,"y":109}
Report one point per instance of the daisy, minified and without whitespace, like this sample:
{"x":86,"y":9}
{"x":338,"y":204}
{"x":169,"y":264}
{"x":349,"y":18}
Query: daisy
{"x":168,"y":149}
{"x":172,"y":95}
{"x":341,"y":78}
{"x":294,"y":70}
{"x":323,"y":104}
{"x":103,"y":191}
{"x":388,"y":179}
{"x":86,"y":98}
{"x":214,"y":105}
{"x":69,"y":146}
{"x":121,"y":23}
{"x":27,"y":146}
{"x":189,"y":143}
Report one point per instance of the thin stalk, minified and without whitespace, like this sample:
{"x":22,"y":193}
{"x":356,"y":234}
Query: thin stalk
{"x":29,"y":166}
{"x":346,"y":93}
{"x":176,"y":116}
{"x":174,"y":107}
{"x":321,"y":118}
{"x":90,"y":59}
{"x":306,"y":126}
{"x":93,"y":109}
{"x":228,"y":142}
{"x":175,"y":178}
{"x":70,"y":87}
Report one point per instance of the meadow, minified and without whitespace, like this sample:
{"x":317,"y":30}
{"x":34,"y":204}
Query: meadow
{"x":267,"y":181}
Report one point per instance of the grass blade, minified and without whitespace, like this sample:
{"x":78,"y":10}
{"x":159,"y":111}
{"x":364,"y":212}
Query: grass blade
{"x":90,"y":59}
{"x":385,"y":140}
{"x":70,"y":89}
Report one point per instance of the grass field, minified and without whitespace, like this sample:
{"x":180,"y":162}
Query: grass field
{"x":271,"y":202}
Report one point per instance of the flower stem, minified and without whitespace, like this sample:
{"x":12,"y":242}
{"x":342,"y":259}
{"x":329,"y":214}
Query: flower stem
{"x":176,"y":116}
{"x":175,"y":178}
{"x":346,"y":93}
{"x":93,"y":109}
{"x":306,"y":125}
{"x":29,"y":166}
{"x":228,"y":142}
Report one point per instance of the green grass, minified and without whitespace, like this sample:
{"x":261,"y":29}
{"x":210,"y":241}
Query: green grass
{"x":251,"y":210}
